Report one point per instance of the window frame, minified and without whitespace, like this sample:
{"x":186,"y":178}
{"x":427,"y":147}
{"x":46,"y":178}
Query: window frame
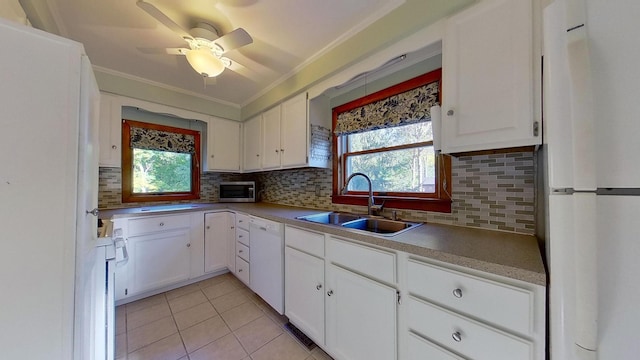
{"x":439,"y":201}
{"x":128,"y":196}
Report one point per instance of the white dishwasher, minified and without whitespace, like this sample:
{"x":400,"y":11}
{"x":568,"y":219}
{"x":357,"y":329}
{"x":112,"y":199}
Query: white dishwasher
{"x":267,"y":261}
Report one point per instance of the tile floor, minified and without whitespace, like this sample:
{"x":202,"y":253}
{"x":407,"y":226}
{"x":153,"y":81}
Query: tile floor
{"x":218,"y":318}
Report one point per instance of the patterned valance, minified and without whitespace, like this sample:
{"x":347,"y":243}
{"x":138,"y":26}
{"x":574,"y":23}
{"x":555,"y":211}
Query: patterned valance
{"x":408,"y":107}
{"x":151,"y":139}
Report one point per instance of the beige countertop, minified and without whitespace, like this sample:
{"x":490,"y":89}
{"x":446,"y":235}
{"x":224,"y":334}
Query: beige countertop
{"x":511,"y":255}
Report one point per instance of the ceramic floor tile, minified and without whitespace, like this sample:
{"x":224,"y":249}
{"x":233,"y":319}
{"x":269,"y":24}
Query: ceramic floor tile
{"x":319,"y":354}
{"x":146,"y":302}
{"x":204,"y":333}
{"x":225,"y":348}
{"x":282,"y":348}
{"x":186,"y":301}
{"x":169,"y":348}
{"x":181,"y":291}
{"x":121,"y":319}
{"x":214,"y":280}
{"x":220,"y":289}
{"x":121,"y":345}
{"x":146,"y":315}
{"x":257,"y":333}
{"x":241,"y":315}
{"x":150,"y":333}
{"x":230,"y":300}
{"x":194,"y":315}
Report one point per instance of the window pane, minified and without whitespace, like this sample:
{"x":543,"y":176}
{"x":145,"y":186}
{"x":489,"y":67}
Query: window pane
{"x":399,"y":135}
{"x":161,"y":171}
{"x":406,"y":170}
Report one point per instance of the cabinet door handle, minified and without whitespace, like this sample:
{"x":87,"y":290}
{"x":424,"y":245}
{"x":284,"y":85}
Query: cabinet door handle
{"x":281,"y":150}
{"x":457,"y":293}
{"x":240,"y":251}
{"x":114,"y":147}
{"x":161,"y":224}
{"x":233,"y":227}
{"x":450,"y":112}
{"x":319,"y":286}
{"x":457,"y":337}
{"x":239,"y":270}
{"x":208,"y":227}
{"x":276,"y":150}
{"x":330,"y":292}
{"x":188,"y":245}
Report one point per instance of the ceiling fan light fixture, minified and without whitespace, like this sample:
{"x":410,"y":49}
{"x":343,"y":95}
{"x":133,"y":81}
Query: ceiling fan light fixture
{"x":204,"y":62}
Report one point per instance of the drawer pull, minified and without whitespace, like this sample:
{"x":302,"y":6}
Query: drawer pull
{"x":319,"y":286}
{"x":457,"y":337}
{"x":240,"y":251}
{"x":188,"y":245}
{"x":239,"y":270}
{"x":161,"y":224}
{"x":330,"y":292}
{"x":240,"y":236}
{"x":457,"y":293}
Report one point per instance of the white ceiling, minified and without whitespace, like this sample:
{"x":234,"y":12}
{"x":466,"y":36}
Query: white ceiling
{"x":287,"y":34}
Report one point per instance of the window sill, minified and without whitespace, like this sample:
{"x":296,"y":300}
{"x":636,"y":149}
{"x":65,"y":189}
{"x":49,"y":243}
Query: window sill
{"x":422,"y":204}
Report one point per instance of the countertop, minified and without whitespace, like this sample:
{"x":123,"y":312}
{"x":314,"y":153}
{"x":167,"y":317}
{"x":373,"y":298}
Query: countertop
{"x":516,"y":256}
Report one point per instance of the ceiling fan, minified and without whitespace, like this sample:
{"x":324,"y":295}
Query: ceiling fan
{"x":206,"y":46}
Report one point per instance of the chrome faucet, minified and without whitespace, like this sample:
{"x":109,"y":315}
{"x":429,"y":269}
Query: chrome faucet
{"x":371,"y":206}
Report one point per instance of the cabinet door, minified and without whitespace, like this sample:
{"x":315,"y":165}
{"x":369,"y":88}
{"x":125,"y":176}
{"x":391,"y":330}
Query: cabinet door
{"x":304,"y":292}
{"x":252,"y":143}
{"x":488,"y":77}
{"x":271,"y":139}
{"x":361,"y":316}
{"x":216,"y":241}
{"x":294,"y":131}
{"x":158,"y":260}
{"x":110,"y":130}
{"x":223,"y":145}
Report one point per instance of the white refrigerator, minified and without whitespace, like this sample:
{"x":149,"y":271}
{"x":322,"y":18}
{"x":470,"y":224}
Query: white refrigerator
{"x":592,"y":148}
{"x":53,"y":293}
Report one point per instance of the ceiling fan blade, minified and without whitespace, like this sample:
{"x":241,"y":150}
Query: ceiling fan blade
{"x":156,"y":51}
{"x":233,"y":40}
{"x":163,"y":19}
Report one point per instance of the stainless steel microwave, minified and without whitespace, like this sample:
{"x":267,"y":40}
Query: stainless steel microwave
{"x":238,"y":191}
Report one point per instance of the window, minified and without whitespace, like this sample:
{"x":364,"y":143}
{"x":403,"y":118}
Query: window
{"x":159,"y":163}
{"x":388,"y":136}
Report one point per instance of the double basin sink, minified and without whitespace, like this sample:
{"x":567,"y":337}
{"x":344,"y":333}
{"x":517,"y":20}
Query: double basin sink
{"x":377,"y":225}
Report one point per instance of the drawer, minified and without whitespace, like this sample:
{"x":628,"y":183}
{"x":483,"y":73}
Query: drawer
{"x":242,"y":251}
{"x":419,"y":348}
{"x":500,"y":304}
{"x":242,"y":270}
{"x":242,"y":236}
{"x":308,"y":241}
{"x":378,"y":264}
{"x":242,"y":221}
{"x":157,"y":223}
{"x":465,"y":336}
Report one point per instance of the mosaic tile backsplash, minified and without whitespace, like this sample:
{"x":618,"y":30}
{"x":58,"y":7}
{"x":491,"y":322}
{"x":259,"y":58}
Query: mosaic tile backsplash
{"x":489,"y":191}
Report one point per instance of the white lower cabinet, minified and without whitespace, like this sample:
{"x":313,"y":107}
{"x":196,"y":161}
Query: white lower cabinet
{"x":361,"y":310}
{"x":304,"y":292}
{"x":419,"y":348}
{"x":218,"y":238}
{"x":158,"y":260}
{"x":361,"y":317}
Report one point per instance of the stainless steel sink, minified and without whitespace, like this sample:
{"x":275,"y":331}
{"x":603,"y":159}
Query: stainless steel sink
{"x":335,"y":218}
{"x":381,"y":226}
{"x":367,"y":223}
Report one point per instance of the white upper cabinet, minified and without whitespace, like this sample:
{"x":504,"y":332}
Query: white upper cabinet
{"x":271,"y":138}
{"x":223,"y":145}
{"x":110,"y":130}
{"x":284,"y":139}
{"x":294,"y":132}
{"x":488,"y":78}
{"x":252,"y":143}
